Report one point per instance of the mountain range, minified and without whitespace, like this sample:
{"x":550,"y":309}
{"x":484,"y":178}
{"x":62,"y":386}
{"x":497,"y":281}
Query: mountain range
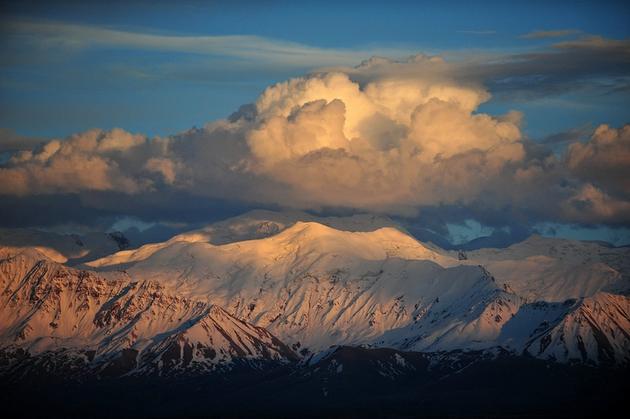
{"x":283,"y":295}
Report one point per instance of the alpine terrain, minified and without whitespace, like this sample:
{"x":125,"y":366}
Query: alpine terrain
{"x":329,"y":311}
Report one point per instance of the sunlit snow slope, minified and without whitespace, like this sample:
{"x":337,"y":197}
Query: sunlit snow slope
{"x":314,"y":285}
{"x":116,"y":323}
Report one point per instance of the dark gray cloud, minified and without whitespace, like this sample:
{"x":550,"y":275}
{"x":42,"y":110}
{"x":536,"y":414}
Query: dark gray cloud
{"x":10,"y":141}
{"x":590,"y":63}
{"x":570,"y":136}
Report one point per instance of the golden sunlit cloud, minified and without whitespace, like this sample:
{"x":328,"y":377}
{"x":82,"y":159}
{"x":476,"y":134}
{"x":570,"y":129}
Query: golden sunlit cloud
{"x":391,"y":136}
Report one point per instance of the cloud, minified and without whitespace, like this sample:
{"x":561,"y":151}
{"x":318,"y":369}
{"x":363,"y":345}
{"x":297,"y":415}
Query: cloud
{"x":164,"y":167}
{"x":401,"y":137}
{"x":589,"y":63}
{"x":570,"y":136}
{"x":11,"y":141}
{"x":592,"y":205}
{"x":47,"y":35}
{"x":558,"y":33}
{"x":91,"y":161}
{"x":604,"y":160}
{"x":388,"y":144}
{"x":478,"y":32}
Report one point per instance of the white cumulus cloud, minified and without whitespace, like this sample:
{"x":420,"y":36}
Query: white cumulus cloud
{"x":389,"y":136}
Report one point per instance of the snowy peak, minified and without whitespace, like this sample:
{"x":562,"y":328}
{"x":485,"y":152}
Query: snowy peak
{"x":315,"y":283}
{"x":64,"y":248}
{"x":126,"y":326}
{"x":258,"y":224}
{"x":311,"y":284}
{"x":253,"y":225}
{"x":213,"y":337}
{"x":301,"y":237}
{"x":554,"y":270}
{"x":595,"y":330}
{"x":379,"y":244}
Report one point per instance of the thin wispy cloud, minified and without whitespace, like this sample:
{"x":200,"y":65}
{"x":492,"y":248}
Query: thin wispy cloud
{"x":558,"y":33}
{"x":61,"y":35}
{"x":478,"y":32}
{"x":572,"y":135}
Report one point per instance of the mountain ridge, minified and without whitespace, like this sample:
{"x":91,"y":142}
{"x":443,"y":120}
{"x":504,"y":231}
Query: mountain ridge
{"x":313,"y":286}
{"x":49,"y":308}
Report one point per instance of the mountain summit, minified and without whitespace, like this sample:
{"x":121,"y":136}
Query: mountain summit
{"x":360,"y":283}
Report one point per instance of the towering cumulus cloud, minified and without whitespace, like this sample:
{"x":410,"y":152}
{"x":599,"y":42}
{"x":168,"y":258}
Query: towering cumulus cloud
{"x":385,"y":136}
{"x":390,"y":142}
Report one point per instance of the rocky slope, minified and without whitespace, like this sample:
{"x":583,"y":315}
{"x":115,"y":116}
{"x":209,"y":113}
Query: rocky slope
{"x":593,"y":330}
{"x":315,"y":286}
{"x":116,"y":326}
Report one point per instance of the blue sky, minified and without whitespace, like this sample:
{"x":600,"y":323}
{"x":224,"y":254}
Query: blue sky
{"x":55,"y":90}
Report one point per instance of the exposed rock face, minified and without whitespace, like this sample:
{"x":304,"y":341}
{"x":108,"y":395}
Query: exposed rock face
{"x":117,"y":326}
{"x":594,"y":330}
{"x":313,"y":286}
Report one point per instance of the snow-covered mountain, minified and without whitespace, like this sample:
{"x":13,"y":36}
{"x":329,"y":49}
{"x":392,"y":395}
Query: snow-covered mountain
{"x":314,"y":285}
{"x":252,"y":225}
{"x":358,"y":280}
{"x":116,"y":325}
{"x":550,"y":269}
{"x":592,"y":330}
{"x":310,"y":284}
{"x":259,"y":224}
{"x":71,"y":249}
